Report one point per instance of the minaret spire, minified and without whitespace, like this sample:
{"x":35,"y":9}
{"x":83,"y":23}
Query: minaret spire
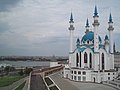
{"x":95,"y":12}
{"x":87,"y":23}
{"x":87,"y":26}
{"x":110,"y":18}
{"x":71,"y":18}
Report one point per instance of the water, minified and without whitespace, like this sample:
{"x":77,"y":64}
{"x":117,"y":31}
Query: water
{"x":26,"y":63}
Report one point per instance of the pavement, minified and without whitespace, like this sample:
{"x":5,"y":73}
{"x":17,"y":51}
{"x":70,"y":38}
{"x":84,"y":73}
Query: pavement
{"x":14,"y":85}
{"x":37,"y":83}
{"x":66,"y":84}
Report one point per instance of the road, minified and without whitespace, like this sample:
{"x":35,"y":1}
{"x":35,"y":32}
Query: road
{"x":37,"y":83}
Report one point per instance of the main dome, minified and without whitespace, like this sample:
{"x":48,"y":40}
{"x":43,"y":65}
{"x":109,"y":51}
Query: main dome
{"x":89,"y":36}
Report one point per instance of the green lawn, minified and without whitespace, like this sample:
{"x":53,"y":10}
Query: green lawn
{"x":7,"y":80}
{"x":21,"y":86}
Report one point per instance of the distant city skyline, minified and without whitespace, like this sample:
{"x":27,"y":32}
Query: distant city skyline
{"x":40,"y":27}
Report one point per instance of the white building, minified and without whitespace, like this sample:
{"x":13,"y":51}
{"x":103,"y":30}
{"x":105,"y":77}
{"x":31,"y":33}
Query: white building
{"x":92,"y":60}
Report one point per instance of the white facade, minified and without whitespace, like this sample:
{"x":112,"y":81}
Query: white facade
{"x":91,"y":61}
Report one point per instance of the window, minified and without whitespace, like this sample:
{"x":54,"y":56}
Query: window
{"x":87,"y":42}
{"x":80,"y":59}
{"x":90,"y":60}
{"x":108,"y":78}
{"x":108,"y":73}
{"x":79,"y":78}
{"x":113,"y":73}
{"x":84,"y":78}
{"x":102,"y":61}
{"x":85,"y":57}
{"x":77,"y":59}
{"x":74,"y":77}
{"x":84,"y":73}
{"x":79,"y":72}
{"x":74,"y":72}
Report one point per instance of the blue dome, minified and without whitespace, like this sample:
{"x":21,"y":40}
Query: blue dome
{"x":89,"y":36}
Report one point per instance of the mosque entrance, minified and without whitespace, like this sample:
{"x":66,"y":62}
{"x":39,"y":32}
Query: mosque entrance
{"x":94,"y":79}
{"x":66,"y":75}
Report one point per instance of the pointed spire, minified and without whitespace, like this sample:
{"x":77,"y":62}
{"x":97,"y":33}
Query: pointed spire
{"x":87,"y":23}
{"x":110,"y":18}
{"x":78,"y":42}
{"x":95,"y":12}
{"x":71,"y":18}
{"x":106,"y":37}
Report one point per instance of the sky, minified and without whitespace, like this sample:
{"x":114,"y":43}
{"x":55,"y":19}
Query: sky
{"x":40,"y":27}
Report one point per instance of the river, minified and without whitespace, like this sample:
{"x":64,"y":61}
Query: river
{"x":26,"y":63}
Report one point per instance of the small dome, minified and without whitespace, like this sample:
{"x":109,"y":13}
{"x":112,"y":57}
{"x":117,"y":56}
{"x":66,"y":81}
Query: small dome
{"x":89,"y":37}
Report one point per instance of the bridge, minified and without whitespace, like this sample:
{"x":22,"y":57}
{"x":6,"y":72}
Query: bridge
{"x":36,"y":77}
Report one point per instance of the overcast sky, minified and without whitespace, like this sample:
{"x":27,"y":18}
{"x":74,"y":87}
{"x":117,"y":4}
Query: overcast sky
{"x":40,"y":27}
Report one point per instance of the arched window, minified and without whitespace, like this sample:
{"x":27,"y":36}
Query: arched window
{"x":80,"y":59}
{"x":90,"y":60}
{"x":85,"y":57}
{"x":103,"y":61}
{"x":87,"y":42}
{"x":77,"y":59}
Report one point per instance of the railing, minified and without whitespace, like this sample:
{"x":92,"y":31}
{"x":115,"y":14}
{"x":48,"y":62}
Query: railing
{"x":115,"y":83}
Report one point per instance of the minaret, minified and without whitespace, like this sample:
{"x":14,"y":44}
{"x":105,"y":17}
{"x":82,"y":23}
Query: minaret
{"x":96,"y":25}
{"x":87,"y":26}
{"x":106,"y":43}
{"x":71,"y":30}
{"x":110,"y":29}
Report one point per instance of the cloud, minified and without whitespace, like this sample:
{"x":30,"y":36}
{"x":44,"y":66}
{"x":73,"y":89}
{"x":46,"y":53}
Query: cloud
{"x":40,"y":27}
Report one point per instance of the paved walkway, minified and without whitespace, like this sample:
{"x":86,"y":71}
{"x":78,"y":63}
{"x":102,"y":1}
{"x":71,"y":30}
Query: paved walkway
{"x":65,"y":84}
{"x":14,"y":85}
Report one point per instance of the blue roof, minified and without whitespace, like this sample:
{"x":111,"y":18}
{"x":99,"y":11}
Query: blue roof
{"x":89,"y":36}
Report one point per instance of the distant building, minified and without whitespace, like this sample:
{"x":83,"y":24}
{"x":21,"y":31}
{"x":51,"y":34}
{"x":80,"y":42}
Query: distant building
{"x":91,"y":60}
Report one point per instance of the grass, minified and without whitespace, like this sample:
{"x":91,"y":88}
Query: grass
{"x":21,"y":86}
{"x":48,"y":81}
{"x":8,"y":80}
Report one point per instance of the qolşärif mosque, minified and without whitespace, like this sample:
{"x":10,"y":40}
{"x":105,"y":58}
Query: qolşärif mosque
{"x":91,"y":61}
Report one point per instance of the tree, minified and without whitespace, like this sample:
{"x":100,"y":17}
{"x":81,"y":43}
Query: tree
{"x":21,"y":72}
{"x":27,"y":70}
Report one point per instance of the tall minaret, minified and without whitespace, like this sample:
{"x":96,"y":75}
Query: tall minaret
{"x":96,"y":25}
{"x":71,"y":30}
{"x":87,"y":26}
{"x":110,"y":29}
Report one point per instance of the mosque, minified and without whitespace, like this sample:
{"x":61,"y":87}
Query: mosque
{"x":92,"y":60}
